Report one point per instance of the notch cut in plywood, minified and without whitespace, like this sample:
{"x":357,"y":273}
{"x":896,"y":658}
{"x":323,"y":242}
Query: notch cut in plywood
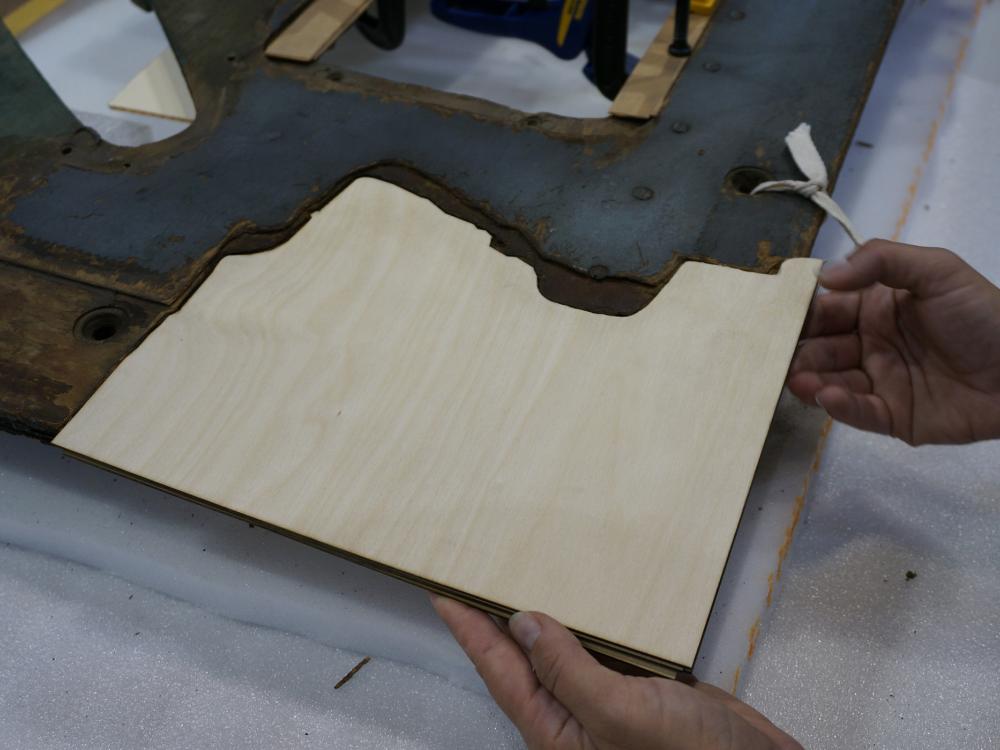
{"x":315,"y":29}
{"x":388,"y":385}
{"x":646,"y":89}
{"x":159,"y":90}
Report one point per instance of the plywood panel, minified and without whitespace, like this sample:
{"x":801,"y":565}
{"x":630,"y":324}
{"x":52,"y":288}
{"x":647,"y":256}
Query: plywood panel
{"x":159,"y":89}
{"x":645,"y":91}
{"x":312,"y":32}
{"x":387,"y":384}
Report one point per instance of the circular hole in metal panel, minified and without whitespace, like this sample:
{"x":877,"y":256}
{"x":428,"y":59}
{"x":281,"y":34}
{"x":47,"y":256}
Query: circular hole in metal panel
{"x":743,"y":180}
{"x":100,"y":324}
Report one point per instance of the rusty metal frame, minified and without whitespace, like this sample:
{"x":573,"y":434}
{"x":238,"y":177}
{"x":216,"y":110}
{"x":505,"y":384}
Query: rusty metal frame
{"x":604,"y":210}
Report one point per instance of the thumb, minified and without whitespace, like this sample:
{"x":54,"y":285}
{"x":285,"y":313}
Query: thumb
{"x":923,"y":271}
{"x":564,"y":667}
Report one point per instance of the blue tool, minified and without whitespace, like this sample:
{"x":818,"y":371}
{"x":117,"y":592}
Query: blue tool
{"x":564,"y":27}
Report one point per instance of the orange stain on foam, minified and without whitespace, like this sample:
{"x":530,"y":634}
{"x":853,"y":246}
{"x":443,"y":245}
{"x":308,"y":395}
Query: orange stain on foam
{"x":911,"y":196}
{"x":800,"y":502}
{"x":918,"y":173}
{"x":752,"y":636}
{"x":774,"y":577}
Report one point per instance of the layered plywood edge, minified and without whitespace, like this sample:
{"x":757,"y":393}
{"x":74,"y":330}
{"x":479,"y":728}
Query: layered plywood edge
{"x":388,"y":386}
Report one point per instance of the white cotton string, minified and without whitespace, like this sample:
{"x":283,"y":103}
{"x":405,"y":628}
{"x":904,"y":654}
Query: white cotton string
{"x":810,"y":163}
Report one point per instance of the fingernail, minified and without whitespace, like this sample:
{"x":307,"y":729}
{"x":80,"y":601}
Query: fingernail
{"x":819,"y":403}
{"x":525,"y":628}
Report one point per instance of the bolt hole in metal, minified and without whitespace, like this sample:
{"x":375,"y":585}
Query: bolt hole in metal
{"x":67,"y":150}
{"x":100,"y":324}
{"x":744,"y":179}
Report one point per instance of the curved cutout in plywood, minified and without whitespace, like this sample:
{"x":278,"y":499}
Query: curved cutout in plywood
{"x":388,"y":385}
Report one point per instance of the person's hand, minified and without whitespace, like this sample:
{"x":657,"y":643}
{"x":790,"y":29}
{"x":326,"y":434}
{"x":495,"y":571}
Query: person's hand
{"x":559,"y":697}
{"x":906,"y":343}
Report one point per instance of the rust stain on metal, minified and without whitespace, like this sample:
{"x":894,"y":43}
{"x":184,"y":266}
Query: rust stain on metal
{"x":47,"y":368}
{"x":767,"y":262}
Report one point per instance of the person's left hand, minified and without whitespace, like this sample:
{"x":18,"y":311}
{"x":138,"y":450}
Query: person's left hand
{"x":559,"y":697}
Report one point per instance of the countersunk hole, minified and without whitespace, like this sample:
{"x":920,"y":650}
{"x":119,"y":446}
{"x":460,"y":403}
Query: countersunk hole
{"x":100,"y":324}
{"x":744,"y":179}
{"x":67,"y":150}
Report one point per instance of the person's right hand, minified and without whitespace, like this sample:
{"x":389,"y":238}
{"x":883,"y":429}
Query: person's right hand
{"x":906,"y":343}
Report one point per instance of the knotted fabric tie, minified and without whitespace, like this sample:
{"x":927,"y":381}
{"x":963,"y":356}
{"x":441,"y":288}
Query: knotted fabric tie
{"x":810,"y":163}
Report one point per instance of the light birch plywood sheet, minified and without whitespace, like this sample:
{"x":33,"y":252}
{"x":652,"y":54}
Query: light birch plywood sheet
{"x":387,"y":384}
{"x":159,"y":89}
{"x":645,"y":90}
{"x":315,"y":28}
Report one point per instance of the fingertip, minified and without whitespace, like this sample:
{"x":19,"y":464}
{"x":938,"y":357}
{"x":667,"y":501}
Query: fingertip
{"x":525,"y":627}
{"x":566,"y":669}
{"x":835,"y":273}
{"x":863,"y":411}
{"x":803,"y":385}
{"x":827,"y":396}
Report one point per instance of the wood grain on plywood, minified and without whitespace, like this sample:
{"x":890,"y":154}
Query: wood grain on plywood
{"x":646,"y":89}
{"x":387,"y":384}
{"x":315,"y":28}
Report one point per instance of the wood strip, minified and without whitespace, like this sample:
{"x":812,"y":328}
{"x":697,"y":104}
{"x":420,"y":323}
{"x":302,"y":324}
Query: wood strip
{"x":646,"y":89}
{"x":387,"y":385}
{"x":21,"y":16}
{"x":159,"y":90}
{"x":315,"y":29}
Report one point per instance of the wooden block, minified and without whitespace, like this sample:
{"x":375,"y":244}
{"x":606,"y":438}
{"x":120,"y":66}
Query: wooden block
{"x":19,"y":16}
{"x":646,"y":89}
{"x":315,"y":28}
{"x":388,"y":385}
{"x":159,"y":90}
